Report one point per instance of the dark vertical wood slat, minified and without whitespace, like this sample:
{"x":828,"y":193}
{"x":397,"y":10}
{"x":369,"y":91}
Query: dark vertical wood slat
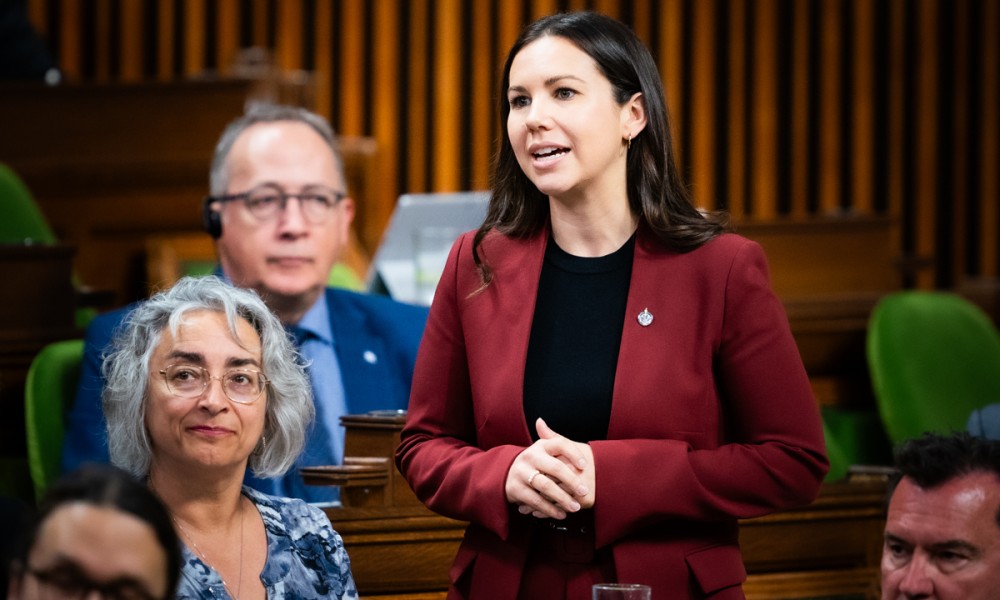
{"x":642,"y":20}
{"x":957,"y":145}
{"x":194,"y":37}
{"x":102,"y":41}
{"x":132,"y":47}
{"x":609,"y":7}
{"x":863,"y":120}
{"x":323,"y":57}
{"x":895,"y":186}
{"x":671,"y":61}
{"x":989,"y":157}
{"x":482,"y":85}
{"x":703,"y":96}
{"x":737,"y":138}
{"x":165,"y":40}
{"x":417,"y":131}
{"x":351,"y":82}
{"x":378,"y":208}
{"x":926,"y":137}
{"x":261,"y":18}
{"x":38,"y":15}
{"x":542,"y":8}
{"x":830,"y":99}
{"x":764,"y":125}
{"x":70,"y":46}
{"x":448,"y":86}
{"x":227,"y":34}
{"x":288,"y":44}
{"x":801,"y":139}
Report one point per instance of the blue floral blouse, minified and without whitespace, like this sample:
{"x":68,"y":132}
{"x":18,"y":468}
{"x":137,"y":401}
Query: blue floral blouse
{"x":305,"y":556}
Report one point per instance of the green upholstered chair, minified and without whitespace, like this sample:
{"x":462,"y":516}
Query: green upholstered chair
{"x":21,"y":220}
{"x":934,"y":357}
{"x":839,"y":461}
{"x":48,"y":393}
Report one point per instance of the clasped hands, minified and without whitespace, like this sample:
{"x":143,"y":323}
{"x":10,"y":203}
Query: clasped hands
{"x":551,"y":477}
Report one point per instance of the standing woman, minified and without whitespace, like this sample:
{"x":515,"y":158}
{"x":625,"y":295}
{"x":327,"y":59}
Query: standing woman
{"x":606,"y":382}
{"x":202,"y":382}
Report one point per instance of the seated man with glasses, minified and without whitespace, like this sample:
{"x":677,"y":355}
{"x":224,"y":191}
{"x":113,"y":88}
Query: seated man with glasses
{"x":98,"y":530}
{"x":281,"y":216}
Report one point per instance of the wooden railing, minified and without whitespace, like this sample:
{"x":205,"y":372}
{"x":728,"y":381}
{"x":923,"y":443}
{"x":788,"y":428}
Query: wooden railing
{"x":781,"y":108}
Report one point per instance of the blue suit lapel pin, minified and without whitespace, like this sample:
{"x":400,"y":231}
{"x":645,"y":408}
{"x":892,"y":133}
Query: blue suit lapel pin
{"x":645,"y":318}
{"x":370,"y":357}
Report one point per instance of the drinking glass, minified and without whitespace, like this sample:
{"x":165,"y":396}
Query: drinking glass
{"x":621,"y":591}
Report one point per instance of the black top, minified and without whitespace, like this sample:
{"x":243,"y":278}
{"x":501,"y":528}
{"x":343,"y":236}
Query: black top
{"x":569,"y":376}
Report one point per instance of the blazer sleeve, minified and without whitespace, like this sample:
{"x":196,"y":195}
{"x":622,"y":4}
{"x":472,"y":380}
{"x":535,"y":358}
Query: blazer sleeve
{"x":772,"y":451}
{"x":85,"y":438}
{"x":438,"y":453}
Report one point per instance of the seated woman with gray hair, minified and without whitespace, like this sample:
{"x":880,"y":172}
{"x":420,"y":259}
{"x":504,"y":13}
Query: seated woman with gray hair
{"x":202,"y":381}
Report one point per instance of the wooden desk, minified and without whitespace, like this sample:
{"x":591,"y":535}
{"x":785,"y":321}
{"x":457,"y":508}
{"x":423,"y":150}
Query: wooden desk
{"x":400,"y":550}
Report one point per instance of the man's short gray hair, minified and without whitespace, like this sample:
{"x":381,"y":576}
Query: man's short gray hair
{"x":289,"y":409}
{"x":266,"y":112}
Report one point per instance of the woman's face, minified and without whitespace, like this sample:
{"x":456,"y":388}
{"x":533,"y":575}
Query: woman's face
{"x":82,"y":547}
{"x":567,"y":131}
{"x":207,"y":431}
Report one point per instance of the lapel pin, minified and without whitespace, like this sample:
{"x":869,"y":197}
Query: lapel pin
{"x":645,"y":318}
{"x":370,"y":357}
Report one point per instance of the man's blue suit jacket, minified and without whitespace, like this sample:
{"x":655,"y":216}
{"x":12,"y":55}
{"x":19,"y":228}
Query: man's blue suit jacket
{"x":363,"y":326}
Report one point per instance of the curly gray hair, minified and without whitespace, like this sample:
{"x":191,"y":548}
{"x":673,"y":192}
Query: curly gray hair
{"x":289,"y":409}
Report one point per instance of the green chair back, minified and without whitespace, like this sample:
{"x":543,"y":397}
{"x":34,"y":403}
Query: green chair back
{"x":934,"y":357}
{"x":48,"y":393}
{"x":21,"y":220}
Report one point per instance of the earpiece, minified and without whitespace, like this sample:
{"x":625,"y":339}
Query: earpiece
{"x":211,"y":219}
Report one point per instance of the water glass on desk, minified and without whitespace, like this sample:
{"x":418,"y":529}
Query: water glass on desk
{"x":621,"y":591}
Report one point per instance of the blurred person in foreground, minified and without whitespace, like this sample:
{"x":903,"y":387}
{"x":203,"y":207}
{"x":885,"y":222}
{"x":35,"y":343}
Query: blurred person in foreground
{"x":607,"y":382}
{"x":202,"y":382}
{"x":281,"y":216}
{"x":942,"y":529}
{"x":98,"y":530}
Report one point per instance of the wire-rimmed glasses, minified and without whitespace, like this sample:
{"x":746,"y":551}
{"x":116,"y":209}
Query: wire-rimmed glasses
{"x":265,"y":202}
{"x":242,"y":386}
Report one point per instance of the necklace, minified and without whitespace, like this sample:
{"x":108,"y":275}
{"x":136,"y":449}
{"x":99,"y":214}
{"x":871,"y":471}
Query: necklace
{"x":194,"y":546}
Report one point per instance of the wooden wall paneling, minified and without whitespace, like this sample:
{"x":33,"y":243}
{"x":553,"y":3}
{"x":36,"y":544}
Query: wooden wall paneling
{"x":484,"y":96}
{"x":670,"y":61}
{"x":801,"y":140}
{"x":642,"y":20}
{"x":736,"y":159}
{"x":988,"y":160}
{"x":131,"y":30}
{"x":260,"y":9}
{"x":863,"y":110}
{"x":227,"y":34}
{"x":378,"y":209}
{"x":703,"y":95}
{"x":955,"y":140}
{"x":38,"y":15}
{"x":926,"y":167}
{"x":609,"y":7}
{"x":511,"y":21}
{"x":448,"y":84}
{"x":194,"y":37}
{"x":288,"y":42}
{"x":896,"y":90}
{"x":323,"y":57}
{"x":542,"y":8}
{"x":764,"y":122}
{"x":417,"y":132}
{"x":351,"y":80}
{"x":830,"y":101}
{"x":102,"y":41}
{"x":165,"y":15}
{"x":70,"y":40}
